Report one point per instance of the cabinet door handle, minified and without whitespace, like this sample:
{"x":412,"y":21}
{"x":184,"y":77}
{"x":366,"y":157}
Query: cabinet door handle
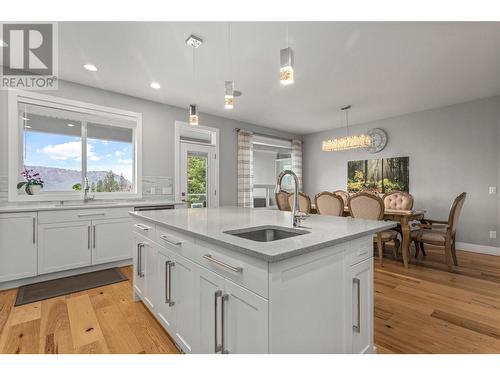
{"x":88,"y":237}
{"x":92,"y":214}
{"x":357,"y":327}
{"x":142,"y":227}
{"x":218,"y":347}
{"x":225,"y":297}
{"x":93,"y":238}
{"x":170,"y":299}
{"x":34,"y":230}
{"x":167,"y":297}
{"x":222,"y":264}
{"x":171,"y":240}
{"x":139,"y":260}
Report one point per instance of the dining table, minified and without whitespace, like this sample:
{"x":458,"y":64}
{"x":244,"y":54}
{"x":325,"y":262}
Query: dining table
{"x":404,"y":217}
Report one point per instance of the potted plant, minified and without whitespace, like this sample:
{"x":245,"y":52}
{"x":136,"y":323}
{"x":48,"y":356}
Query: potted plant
{"x":33,"y":183}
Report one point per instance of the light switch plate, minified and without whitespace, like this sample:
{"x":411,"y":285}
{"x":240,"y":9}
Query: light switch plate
{"x":493,"y":234}
{"x":493,"y":190}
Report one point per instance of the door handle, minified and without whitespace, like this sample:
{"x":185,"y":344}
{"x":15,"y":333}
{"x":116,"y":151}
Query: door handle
{"x":34,"y":230}
{"x":139,"y":260}
{"x":88,"y":237}
{"x":167,"y":297}
{"x":170,"y":299}
{"x":218,"y":347}
{"x":357,"y":327}
{"x":225,"y":297}
{"x":93,"y":238}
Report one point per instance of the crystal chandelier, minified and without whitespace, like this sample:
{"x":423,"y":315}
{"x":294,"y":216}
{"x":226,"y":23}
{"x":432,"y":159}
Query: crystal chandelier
{"x":350,"y":141}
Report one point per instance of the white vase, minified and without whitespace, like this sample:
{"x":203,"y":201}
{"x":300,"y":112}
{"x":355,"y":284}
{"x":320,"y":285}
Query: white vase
{"x":34,"y":189}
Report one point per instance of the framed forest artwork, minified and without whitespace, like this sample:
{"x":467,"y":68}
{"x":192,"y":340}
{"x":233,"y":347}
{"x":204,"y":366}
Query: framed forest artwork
{"x":379,"y":175}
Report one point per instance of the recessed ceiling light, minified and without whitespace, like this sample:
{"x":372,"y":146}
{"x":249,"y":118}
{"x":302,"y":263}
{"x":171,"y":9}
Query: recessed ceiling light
{"x":27,"y":126}
{"x":155,"y":85}
{"x":71,"y":125}
{"x":194,"y":41}
{"x":90,"y":67}
{"x":25,"y":118}
{"x":3,"y":44}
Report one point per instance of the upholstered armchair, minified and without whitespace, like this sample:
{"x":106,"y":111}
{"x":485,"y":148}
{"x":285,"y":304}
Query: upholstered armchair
{"x":398,"y":200}
{"x":329,"y":204}
{"x":282,"y":200}
{"x":304,"y":202}
{"x":441,"y":233}
{"x":369,"y":206}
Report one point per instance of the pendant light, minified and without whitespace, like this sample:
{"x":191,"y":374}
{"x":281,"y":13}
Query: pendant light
{"x":229,"y":85}
{"x":194,"y":42}
{"x":348,"y":142}
{"x":286,"y":63}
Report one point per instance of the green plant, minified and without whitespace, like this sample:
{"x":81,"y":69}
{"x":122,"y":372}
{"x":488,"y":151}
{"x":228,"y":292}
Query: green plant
{"x":77,"y":187}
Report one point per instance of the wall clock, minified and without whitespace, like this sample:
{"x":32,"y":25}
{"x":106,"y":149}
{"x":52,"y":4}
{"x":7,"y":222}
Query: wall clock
{"x":378,"y":140}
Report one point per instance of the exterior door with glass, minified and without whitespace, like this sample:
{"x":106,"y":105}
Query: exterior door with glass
{"x":199,"y":175}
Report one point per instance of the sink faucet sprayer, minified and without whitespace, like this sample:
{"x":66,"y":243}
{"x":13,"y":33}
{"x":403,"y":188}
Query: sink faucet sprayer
{"x":297,"y":216}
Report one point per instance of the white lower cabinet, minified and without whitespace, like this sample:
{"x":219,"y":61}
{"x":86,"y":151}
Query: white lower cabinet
{"x":111,"y":240}
{"x":360,"y":307}
{"x":63,"y":246}
{"x":18,"y":245}
{"x":150,"y":256}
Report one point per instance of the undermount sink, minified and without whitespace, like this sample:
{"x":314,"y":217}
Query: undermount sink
{"x":266,"y":233}
{"x":81,"y":203}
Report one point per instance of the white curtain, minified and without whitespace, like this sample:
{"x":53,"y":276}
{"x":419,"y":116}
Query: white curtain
{"x":297,"y":160}
{"x":245,"y":168}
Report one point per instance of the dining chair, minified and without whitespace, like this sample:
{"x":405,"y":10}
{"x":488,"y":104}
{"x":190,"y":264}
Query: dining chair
{"x":329,"y":204}
{"x":304,"y":202}
{"x":369,"y":206}
{"x":342,"y":194}
{"x":441,"y":233}
{"x":399,"y":200}
{"x":282,"y":200}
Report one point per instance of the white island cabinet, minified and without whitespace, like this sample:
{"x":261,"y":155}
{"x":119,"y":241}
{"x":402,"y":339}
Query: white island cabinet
{"x":218,"y":293}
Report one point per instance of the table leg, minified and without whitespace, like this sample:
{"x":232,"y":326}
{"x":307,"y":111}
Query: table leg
{"x":405,"y":230}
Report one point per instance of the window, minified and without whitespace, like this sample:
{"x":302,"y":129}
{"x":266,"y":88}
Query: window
{"x":62,"y":142}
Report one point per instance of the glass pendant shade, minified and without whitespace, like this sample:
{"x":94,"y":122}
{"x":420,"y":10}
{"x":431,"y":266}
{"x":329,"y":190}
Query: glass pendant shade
{"x":193,"y":114}
{"x":229,"y":95}
{"x":286,"y":66}
{"x":347,"y":143}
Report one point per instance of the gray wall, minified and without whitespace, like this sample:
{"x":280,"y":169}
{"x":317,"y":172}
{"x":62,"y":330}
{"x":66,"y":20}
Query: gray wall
{"x":451,"y":149}
{"x":158,"y":132}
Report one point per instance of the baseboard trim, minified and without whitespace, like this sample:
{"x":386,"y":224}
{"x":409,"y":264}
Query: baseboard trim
{"x":50,"y":276}
{"x":483,"y":249}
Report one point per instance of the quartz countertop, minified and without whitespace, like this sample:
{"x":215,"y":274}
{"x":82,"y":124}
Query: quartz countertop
{"x":210,"y":224}
{"x":8,"y":207}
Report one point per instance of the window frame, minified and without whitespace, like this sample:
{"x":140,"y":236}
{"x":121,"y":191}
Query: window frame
{"x":15,"y":138}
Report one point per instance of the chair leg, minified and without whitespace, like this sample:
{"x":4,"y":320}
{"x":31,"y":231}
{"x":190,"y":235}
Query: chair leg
{"x":380,"y":248}
{"x":448,"y":256}
{"x":417,"y":248}
{"x":454,"y":253}
{"x":422,"y":248}
{"x":395,"y":249}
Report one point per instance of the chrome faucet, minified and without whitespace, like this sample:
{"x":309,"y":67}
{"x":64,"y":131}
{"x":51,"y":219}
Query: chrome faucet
{"x":86,"y":188}
{"x":297,"y":216}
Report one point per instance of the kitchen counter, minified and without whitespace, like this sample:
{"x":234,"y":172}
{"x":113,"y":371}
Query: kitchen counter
{"x":210,"y":224}
{"x":8,"y":207}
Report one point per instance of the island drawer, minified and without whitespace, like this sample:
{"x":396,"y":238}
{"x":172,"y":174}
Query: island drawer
{"x":176,"y":242}
{"x":61,"y":216}
{"x":361,"y":249}
{"x":145,"y":229}
{"x":249,"y":272}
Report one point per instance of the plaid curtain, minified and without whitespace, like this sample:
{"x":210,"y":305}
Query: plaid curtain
{"x":245,"y":168}
{"x":297,"y":160}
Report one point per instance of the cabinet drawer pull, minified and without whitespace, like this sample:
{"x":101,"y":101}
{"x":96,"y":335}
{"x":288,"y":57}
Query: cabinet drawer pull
{"x":92,"y":214}
{"x":225,"y":297}
{"x":139,"y":260}
{"x":218,"y":347}
{"x":142,"y":227}
{"x":171,"y":240}
{"x":357,"y":327}
{"x":222,"y":264}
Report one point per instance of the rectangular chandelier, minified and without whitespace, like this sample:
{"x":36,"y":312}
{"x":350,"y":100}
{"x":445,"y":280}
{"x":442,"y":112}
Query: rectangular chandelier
{"x":347,"y":143}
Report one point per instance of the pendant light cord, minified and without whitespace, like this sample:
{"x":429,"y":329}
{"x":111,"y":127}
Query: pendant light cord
{"x":229,"y":56}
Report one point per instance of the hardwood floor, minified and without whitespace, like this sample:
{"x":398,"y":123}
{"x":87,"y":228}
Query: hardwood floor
{"x":423,"y":309}
{"x":101,"y":320}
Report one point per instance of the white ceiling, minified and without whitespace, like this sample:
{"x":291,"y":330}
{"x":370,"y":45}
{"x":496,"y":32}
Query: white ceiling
{"x":382,"y":69}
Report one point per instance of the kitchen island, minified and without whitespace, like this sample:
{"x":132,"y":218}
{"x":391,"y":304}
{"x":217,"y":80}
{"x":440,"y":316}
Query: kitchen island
{"x":236,"y":280}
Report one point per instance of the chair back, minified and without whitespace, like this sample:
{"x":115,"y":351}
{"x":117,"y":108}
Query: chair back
{"x":456,"y":209}
{"x":282,"y":200}
{"x":304,"y":202}
{"x":366,"y":206}
{"x":329,"y":204}
{"x":342,"y":194}
{"x":398,"y":200}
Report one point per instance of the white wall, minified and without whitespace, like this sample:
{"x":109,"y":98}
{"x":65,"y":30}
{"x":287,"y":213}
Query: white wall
{"x":158,"y":132}
{"x":451,"y":149}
